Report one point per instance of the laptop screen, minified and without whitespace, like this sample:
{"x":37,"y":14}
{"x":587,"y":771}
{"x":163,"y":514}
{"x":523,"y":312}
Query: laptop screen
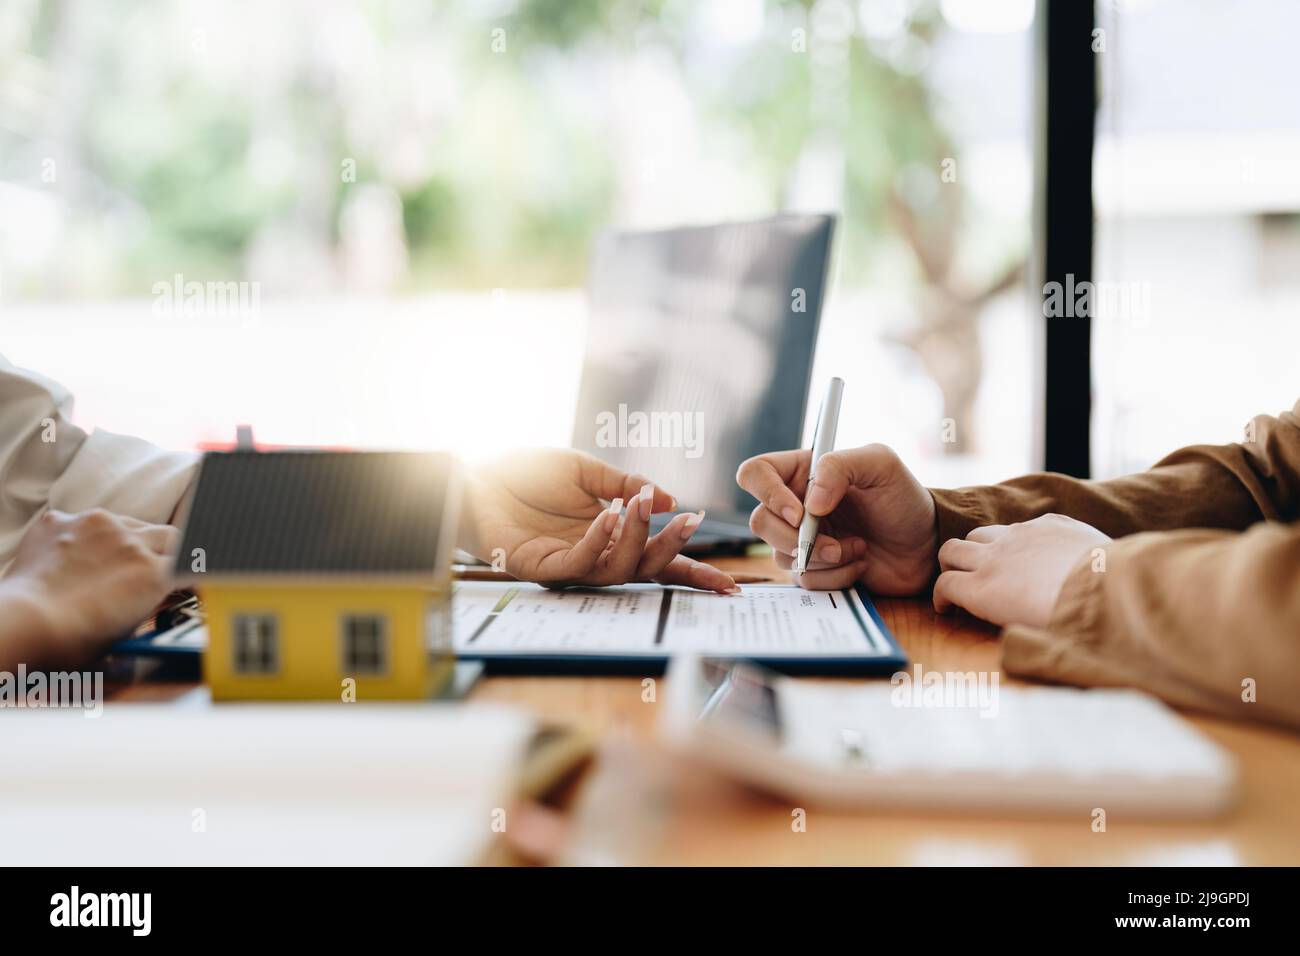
{"x":699,"y":351}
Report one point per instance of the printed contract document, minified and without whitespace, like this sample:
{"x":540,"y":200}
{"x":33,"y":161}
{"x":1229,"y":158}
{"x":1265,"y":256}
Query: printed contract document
{"x":648,"y":621}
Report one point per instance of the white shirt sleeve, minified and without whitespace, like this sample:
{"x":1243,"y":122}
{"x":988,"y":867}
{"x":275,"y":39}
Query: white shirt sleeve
{"x":48,"y":462}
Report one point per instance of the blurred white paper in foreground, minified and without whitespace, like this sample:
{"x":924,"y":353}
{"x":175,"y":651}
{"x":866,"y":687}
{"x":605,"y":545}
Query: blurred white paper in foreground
{"x":327,"y":784}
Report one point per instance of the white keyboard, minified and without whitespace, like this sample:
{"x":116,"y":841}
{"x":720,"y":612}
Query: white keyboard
{"x":1062,"y":730}
{"x":1049,"y":749}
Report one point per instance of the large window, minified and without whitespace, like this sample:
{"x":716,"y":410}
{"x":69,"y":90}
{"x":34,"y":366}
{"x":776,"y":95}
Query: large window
{"x":354,"y":222}
{"x":1197,"y":189}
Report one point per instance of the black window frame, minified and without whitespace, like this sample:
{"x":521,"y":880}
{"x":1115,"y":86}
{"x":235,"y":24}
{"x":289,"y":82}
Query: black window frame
{"x":1065,"y":124}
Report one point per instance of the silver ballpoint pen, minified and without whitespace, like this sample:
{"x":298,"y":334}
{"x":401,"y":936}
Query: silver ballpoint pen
{"x":828,"y":420}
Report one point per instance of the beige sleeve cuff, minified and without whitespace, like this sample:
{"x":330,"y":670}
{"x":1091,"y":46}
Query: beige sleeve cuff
{"x":124,"y":475}
{"x":1064,"y":651}
{"x":1092,"y":640}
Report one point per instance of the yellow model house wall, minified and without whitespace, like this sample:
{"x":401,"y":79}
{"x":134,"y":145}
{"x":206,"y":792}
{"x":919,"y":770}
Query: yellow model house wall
{"x":311,"y":641}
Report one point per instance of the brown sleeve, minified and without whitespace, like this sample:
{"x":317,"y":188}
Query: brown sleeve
{"x":1204,"y":619}
{"x":1204,"y":486}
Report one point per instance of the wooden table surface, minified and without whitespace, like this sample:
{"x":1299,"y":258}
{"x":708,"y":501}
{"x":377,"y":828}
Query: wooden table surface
{"x":637,"y":805}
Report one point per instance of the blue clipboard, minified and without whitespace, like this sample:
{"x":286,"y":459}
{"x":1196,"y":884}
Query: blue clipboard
{"x":881,"y":661}
{"x":174,"y":634}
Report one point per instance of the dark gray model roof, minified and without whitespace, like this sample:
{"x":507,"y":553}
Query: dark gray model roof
{"x":317,"y":513}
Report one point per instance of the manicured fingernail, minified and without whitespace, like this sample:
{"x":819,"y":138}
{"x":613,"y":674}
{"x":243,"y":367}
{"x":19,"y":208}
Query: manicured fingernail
{"x":611,"y":516}
{"x":829,"y":552}
{"x":791,"y":515}
{"x":690,"y":524}
{"x":733,"y":590}
{"x":647,"y":498}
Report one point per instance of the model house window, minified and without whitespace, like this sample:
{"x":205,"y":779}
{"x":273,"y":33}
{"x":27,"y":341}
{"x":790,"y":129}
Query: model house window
{"x":365,"y":644}
{"x":257,"y":640}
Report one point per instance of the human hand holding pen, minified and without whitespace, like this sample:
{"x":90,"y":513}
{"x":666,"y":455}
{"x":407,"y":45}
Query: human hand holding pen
{"x":876,"y":521}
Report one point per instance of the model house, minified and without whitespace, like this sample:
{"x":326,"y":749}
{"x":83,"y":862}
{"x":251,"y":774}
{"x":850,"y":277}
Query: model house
{"x":323,"y":575}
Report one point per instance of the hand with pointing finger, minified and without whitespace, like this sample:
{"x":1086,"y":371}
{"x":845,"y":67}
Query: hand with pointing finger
{"x":545,"y":509}
{"x":879,"y":522}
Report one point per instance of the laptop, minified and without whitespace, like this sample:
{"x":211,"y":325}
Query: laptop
{"x":699,"y":353}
